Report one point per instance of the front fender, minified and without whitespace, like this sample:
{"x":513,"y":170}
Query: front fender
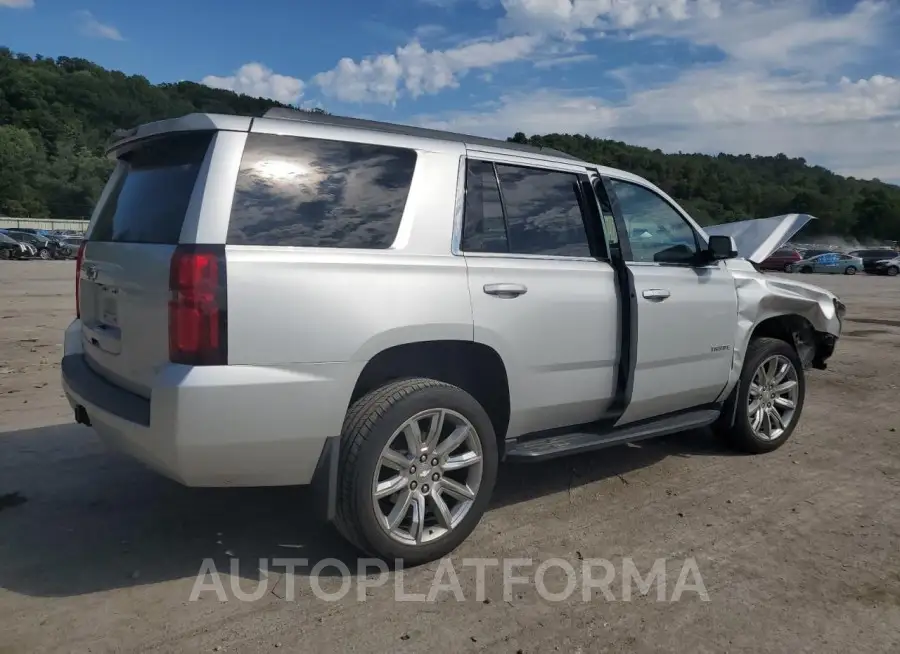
{"x":762,"y":297}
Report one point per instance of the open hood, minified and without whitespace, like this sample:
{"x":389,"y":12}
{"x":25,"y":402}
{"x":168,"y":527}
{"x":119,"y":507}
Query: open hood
{"x":757,"y":239}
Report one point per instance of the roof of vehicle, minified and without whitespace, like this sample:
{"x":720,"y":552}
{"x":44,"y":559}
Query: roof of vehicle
{"x":201,"y":121}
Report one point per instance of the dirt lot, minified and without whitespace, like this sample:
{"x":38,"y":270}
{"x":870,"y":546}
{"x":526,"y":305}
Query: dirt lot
{"x":799,"y":550}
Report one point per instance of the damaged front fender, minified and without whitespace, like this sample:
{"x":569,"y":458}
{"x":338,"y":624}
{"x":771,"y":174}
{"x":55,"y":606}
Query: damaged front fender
{"x":808,"y":316}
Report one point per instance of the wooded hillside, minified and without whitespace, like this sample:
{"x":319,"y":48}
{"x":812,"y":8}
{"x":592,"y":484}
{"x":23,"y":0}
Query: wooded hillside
{"x":57,"y":114}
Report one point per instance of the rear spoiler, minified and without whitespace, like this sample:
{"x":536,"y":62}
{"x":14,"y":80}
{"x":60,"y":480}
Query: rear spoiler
{"x":188,"y":123}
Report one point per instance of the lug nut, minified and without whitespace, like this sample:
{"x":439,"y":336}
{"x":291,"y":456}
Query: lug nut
{"x":423,"y":458}
{"x":412,"y":485}
{"x":425,"y":488}
{"x":412,"y":469}
{"x":434,"y":461}
{"x":435,"y":477}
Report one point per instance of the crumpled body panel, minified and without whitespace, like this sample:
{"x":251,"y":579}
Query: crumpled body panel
{"x":815,"y":322}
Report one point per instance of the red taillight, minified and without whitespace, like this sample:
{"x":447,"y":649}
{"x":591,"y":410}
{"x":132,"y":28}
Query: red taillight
{"x":198,"y":306}
{"x":79,"y":258}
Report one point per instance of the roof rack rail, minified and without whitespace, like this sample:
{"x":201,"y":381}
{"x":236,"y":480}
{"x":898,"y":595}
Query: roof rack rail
{"x":283,"y":113}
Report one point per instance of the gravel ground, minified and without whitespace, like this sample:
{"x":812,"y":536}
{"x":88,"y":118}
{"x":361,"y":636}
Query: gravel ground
{"x":799,"y":550}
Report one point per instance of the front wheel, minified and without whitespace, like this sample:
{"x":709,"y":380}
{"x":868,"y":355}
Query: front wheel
{"x":892,"y":271}
{"x":44,"y":254}
{"x":768,"y":399}
{"x":417,"y":469}
{"x":850,"y":270}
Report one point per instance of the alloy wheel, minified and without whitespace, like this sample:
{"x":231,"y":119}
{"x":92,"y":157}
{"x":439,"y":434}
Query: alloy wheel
{"x":772,"y":399}
{"x":427,"y":477}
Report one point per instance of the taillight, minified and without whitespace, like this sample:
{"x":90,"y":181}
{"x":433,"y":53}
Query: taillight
{"x":79,"y":258}
{"x":198,"y":311}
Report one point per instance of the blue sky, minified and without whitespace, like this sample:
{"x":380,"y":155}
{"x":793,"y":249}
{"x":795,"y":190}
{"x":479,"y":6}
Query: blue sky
{"x":812,"y":78}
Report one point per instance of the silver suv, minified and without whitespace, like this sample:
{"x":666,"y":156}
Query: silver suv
{"x":388,"y":312}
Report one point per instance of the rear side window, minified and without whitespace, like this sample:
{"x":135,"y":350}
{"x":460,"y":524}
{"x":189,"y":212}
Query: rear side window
{"x":150,"y":199}
{"x":540,"y":210}
{"x":305,"y":192}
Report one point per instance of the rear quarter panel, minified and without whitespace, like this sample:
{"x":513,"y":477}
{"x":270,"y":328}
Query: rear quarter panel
{"x":312,"y":305}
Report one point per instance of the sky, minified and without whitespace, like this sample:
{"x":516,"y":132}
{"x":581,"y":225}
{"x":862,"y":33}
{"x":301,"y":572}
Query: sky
{"x":813,"y":78}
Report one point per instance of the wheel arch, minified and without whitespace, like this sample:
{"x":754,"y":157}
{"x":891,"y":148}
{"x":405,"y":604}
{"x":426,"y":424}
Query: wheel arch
{"x":474,"y":367}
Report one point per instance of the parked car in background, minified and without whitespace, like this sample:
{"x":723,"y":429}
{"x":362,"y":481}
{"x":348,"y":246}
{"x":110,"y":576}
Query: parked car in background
{"x":808,"y":254}
{"x":890,"y":267}
{"x":70,"y":245}
{"x":829,"y":262}
{"x":47,"y":248}
{"x":29,"y":249}
{"x":781,"y":259}
{"x":873,"y":256}
{"x":11,"y":248}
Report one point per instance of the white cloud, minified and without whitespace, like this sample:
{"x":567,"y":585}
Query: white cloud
{"x":569,"y":16}
{"x":852,"y":127}
{"x":90,"y":26}
{"x":415,"y":71}
{"x":17,"y":4}
{"x":259,"y":81}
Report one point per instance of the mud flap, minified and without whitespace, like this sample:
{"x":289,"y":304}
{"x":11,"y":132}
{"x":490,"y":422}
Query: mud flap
{"x":325,"y":480}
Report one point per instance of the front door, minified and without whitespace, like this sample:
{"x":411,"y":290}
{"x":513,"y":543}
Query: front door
{"x":686,"y":313}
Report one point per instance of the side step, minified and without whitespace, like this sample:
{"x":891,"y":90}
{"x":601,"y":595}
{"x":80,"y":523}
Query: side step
{"x":540,"y":448}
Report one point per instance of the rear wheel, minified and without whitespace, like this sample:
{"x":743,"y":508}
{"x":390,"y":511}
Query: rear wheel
{"x":768,"y":399}
{"x":5,"y":254}
{"x":850,"y":270}
{"x":787,"y":267}
{"x":417,"y":468}
{"x":892,"y":271}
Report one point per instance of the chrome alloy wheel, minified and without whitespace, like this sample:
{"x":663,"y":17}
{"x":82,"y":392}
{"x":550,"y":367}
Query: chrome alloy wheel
{"x":427,"y":476}
{"x":773,"y":396}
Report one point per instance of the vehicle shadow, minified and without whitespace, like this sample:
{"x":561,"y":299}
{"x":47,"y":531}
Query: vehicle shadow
{"x":77,"y":519}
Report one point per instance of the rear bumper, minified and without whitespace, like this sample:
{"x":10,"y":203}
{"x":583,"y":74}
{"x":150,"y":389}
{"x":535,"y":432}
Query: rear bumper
{"x":217,"y":425}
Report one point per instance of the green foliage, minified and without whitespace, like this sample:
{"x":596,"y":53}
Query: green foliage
{"x":56,"y":115}
{"x":725,"y":188}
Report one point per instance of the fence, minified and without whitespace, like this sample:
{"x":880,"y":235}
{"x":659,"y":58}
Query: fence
{"x":43,"y":223}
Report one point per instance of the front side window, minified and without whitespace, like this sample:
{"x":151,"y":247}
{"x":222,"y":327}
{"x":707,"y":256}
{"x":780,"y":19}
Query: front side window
{"x":656,"y":231}
{"x":305,"y":192}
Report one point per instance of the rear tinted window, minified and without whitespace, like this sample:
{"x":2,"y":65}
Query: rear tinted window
{"x":315,"y":193}
{"x":149,"y":201}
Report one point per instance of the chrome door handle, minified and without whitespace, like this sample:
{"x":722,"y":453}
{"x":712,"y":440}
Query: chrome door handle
{"x":658,"y":294}
{"x":505,"y":290}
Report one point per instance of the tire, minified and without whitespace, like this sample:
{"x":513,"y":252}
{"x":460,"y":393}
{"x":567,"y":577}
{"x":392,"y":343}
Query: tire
{"x":44,"y":254}
{"x":806,"y":269}
{"x":787,"y":267}
{"x":892,"y":271}
{"x":5,"y":254}
{"x":741,"y":435}
{"x":370,"y":427}
{"x":850,"y":270}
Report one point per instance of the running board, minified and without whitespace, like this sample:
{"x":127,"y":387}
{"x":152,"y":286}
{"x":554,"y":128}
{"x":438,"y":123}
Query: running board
{"x":540,"y":448}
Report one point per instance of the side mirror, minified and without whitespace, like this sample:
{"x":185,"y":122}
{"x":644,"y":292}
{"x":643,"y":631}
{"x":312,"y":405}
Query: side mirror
{"x":721,"y":247}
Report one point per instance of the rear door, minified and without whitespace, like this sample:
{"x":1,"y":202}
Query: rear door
{"x":686,"y":313}
{"x":124,"y":282}
{"x":543,"y":294}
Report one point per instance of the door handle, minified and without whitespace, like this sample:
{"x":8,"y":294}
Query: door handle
{"x":657,"y":294}
{"x":505,"y":290}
